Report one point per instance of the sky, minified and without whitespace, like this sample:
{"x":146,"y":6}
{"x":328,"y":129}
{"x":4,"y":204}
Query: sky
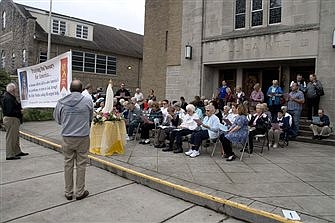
{"x":122,"y":14}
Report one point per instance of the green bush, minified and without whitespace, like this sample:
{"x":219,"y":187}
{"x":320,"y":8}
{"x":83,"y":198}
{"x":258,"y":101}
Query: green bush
{"x":4,"y":80}
{"x":37,"y":114}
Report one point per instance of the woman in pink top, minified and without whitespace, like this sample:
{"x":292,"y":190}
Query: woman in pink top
{"x":256,"y":96}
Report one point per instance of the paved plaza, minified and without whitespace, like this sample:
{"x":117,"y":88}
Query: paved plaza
{"x":32,"y":191}
{"x":299,"y":177}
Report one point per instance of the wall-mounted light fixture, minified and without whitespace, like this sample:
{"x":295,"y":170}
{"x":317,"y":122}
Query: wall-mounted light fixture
{"x":129,"y":67}
{"x":334,"y":38}
{"x":188,"y":52}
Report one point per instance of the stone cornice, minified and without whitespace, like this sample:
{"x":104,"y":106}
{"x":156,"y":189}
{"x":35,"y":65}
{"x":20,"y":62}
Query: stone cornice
{"x":276,"y":29}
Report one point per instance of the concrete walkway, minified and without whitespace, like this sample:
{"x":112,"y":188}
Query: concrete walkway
{"x":32,"y":191}
{"x":300,"y":177}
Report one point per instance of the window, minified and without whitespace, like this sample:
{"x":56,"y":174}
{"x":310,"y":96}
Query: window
{"x":77,"y":61}
{"x":58,"y":27}
{"x":43,"y":57}
{"x":24,"y":56}
{"x":82,"y":32}
{"x":3,"y":59}
{"x":101,"y":64}
{"x":275,"y":11}
{"x":240,"y":14}
{"x":13,"y":60}
{"x":111,"y":65}
{"x":90,"y":62}
{"x":3,"y":20}
{"x":257,"y":13}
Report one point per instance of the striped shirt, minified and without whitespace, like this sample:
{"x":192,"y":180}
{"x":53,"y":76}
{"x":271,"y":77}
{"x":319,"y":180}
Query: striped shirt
{"x":293,"y":105}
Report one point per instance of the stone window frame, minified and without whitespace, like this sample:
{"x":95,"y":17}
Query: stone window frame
{"x":3,"y":20}
{"x":24,"y":56}
{"x":82,"y":31}
{"x":3,"y":59}
{"x":239,"y":14}
{"x":94,"y":63}
{"x":58,"y":26}
{"x":266,"y":15}
{"x":274,"y":8}
{"x":13,"y":60}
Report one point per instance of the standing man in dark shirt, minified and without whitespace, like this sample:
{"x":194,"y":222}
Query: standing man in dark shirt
{"x":321,"y":128}
{"x":12,"y":119}
{"x":222,"y":94}
{"x":122,"y":93}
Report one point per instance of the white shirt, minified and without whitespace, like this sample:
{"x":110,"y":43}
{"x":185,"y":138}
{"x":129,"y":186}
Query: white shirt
{"x":139,"y":97}
{"x":164,"y":112}
{"x":188,"y":121}
{"x":85,"y":93}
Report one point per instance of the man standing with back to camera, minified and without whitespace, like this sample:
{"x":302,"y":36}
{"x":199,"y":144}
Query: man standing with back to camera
{"x":74,"y":113}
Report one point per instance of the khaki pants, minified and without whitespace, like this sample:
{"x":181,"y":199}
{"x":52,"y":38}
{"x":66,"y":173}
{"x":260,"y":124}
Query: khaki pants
{"x":323,"y":131}
{"x":274,"y":134}
{"x":75,"y":149}
{"x":12,"y":126}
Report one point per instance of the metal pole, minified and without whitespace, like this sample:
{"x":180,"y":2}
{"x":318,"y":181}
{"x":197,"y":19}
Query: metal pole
{"x":49,"y":32}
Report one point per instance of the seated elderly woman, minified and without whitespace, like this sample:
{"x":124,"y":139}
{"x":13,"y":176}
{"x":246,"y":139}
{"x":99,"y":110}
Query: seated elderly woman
{"x":278,"y":126}
{"x":209,"y":130}
{"x":133,"y":119}
{"x":179,"y":111}
{"x":229,"y":114}
{"x":187,"y":127}
{"x":237,"y":133}
{"x":259,"y":124}
{"x":150,"y":122}
{"x":164,"y":130}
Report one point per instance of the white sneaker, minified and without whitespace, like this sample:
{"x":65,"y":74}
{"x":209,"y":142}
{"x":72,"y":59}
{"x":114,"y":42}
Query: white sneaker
{"x":275,"y":145}
{"x":195,"y":154}
{"x":127,"y":138}
{"x":147,"y":141}
{"x":189,"y":152}
{"x":270,"y":144}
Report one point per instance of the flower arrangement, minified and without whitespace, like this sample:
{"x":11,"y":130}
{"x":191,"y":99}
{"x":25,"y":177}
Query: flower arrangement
{"x":102,"y":117}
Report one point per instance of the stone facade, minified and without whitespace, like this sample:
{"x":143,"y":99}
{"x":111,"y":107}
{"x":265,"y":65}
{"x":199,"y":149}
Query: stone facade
{"x":20,"y":34}
{"x":162,"y":37}
{"x":16,"y":37}
{"x":300,"y":43}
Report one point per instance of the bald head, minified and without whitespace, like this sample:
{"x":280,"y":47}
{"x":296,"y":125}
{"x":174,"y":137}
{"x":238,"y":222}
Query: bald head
{"x":76,"y":86}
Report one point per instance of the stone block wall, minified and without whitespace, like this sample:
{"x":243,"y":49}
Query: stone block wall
{"x":17,"y":36}
{"x":325,"y":67}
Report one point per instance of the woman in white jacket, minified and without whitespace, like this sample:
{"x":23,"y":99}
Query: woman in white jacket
{"x":186,"y":127}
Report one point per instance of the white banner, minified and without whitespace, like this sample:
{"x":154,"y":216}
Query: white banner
{"x":41,"y":85}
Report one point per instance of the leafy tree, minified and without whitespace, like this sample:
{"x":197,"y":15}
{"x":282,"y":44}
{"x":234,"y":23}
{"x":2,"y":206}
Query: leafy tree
{"x":4,"y":80}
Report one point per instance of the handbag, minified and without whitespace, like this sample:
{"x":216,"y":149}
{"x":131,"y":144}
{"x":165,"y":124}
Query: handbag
{"x":320,"y":91}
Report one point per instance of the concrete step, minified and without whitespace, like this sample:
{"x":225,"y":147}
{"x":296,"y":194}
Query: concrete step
{"x":308,"y":139}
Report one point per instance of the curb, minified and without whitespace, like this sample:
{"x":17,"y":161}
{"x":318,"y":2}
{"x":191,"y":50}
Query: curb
{"x":233,"y":209}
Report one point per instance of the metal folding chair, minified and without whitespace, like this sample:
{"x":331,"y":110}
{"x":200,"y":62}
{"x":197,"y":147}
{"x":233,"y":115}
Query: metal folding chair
{"x":265,"y":138}
{"x":137,"y":132}
{"x":245,"y":144}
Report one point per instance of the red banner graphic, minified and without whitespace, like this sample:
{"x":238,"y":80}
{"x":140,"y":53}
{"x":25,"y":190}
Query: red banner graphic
{"x":63,"y":73}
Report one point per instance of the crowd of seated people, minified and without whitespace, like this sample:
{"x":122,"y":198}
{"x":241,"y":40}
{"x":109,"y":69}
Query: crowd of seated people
{"x":203,"y":118}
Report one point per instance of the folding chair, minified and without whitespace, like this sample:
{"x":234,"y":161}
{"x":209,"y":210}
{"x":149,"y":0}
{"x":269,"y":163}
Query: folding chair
{"x":244,"y":146}
{"x":283,"y":139}
{"x":137,"y":132}
{"x":265,"y":138}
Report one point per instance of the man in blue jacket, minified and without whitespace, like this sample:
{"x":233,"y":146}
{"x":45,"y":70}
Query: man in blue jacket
{"x":74,"y":113}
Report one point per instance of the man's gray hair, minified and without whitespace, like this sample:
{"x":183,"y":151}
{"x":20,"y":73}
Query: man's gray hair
{"x":10,"y":87}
